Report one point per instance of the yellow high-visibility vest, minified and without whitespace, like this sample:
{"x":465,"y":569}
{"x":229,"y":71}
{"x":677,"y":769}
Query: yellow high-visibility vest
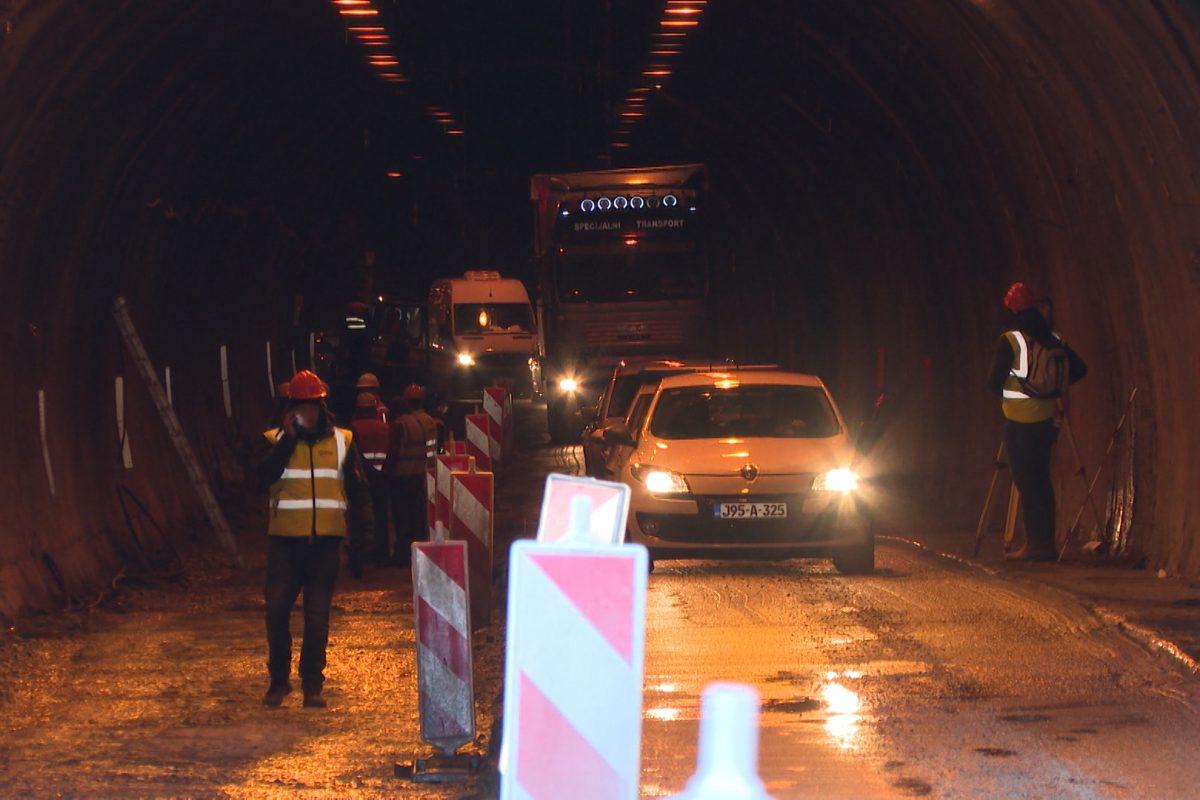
{"x":1017,"y":405}
{"x":309,"y":498}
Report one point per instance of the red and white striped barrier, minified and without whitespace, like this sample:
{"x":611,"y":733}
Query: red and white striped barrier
{"x":610,"y":508}
{"x":495,"y":400}
{"x":573,"y":670}
{"x":727,"y":766}
{"x":431,"y":501}
{"x":472,"y":499}
{"x":479,"y":440}
{"x":441,"y":512}
{"x":445,"y":688}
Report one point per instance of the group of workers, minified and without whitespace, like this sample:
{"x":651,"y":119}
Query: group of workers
{"x":328,"y":484}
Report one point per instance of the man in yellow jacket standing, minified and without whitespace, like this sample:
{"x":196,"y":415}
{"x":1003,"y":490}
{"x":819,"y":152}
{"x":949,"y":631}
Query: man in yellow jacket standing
{"x":318,"y":497}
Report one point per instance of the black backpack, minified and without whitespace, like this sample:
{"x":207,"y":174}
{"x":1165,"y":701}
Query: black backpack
{"x":1049,"y":370}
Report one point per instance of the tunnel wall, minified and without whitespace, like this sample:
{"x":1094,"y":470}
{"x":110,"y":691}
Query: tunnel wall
{"x":887,"y":169}
{"x":158,"y":152}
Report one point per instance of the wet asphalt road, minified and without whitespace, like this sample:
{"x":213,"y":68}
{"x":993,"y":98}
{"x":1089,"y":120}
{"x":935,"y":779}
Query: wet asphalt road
{"x":925,"y":679}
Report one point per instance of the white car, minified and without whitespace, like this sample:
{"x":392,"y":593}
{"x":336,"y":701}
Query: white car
{"x":745,"y":463}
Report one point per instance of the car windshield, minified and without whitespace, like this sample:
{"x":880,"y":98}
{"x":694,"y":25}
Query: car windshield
{"x":479,"y":318}
{"x":625,"y":388}
{"x":762,"y":410}
{"x":621,"y":277}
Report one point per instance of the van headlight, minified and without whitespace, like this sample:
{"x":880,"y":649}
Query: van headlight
{"x":836,"y":480}
{"x":568,"y":385}
{"x":466,"y":360}
{"x":660,"y":481}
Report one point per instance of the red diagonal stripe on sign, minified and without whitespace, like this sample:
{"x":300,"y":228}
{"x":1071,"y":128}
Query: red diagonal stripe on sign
{"x":558,"y":511}
{"x":449,"y":560}
{"x":601,"y":588}
{"x":440,"y":638}
{"x":480,"y":487}
{"x":554,"y":762}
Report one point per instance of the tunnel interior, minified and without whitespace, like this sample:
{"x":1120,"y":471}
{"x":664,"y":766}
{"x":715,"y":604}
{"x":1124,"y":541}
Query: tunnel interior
{"x":880,"y":172}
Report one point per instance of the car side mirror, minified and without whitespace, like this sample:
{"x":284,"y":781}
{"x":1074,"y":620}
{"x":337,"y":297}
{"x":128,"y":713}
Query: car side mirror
{"x":618,"y":434}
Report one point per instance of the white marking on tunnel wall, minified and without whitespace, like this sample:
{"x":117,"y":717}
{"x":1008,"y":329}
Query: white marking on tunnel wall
{"x":270,"y":371}
{"x":167,"y":381}
{"x":225,"y":381}
{"x":312,"y":351}
{"x":45,"y":447}
{"x":122,"y":433}
{"x":294,"y":361}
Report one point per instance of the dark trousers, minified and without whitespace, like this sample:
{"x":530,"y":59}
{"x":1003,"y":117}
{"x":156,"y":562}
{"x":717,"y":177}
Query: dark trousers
{"x":408,"y":512}
{"x":377,"y":482}
{"x":296,"y":564}
{"x":1029,"y":446}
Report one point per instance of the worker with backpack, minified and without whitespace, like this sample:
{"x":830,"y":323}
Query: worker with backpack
{"x":1031,"y":372}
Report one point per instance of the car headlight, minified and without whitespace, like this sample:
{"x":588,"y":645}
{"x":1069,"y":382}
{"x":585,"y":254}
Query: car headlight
{"x":568,"y":385}
{"x":836,"y":480}
{"x":660,"y":481}
{"x":466,"y":360}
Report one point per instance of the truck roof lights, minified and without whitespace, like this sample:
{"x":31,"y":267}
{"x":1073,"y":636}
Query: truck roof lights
{"x":604,"y":204}
{"x":670,"y":201}
{"x":637,"y":201}
{"x":587,"y":204}
{"x":620,"y":202}
{"x":654,"y":201}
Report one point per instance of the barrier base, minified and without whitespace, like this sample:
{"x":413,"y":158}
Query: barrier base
{"x":439,"y":768}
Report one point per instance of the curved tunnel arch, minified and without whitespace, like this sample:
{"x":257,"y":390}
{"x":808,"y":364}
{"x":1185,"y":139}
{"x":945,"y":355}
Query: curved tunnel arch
{"x":884,"y":169}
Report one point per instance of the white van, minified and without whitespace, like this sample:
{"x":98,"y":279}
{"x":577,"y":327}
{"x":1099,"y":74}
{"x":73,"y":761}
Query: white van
{"x":482,"y":328}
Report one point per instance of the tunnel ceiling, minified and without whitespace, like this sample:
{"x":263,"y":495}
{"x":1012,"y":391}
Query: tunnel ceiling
{"x":881,"y":171}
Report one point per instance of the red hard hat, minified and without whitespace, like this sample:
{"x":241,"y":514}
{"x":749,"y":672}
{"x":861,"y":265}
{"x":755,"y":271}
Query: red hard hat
{"x":367,"y":381}
{"x":365,"y":400}
{"x":413,"y":392}
{"x":306,"y":386}
{"x":1019,"y":298}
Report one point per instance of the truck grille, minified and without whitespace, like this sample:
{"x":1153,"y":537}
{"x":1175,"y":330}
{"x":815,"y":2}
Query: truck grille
{"x":603,"y":333}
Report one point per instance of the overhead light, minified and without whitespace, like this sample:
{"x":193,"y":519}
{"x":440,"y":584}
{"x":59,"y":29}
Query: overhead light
{"x":656,"y":72}
{"x":684,"y":10}
{"x":358,"y":12}
{"x":679,"y":23}
{"x":621,"y":144}
{"x":632,"y":114}
{"x":455,"y":132}
{"x":394,"y":174}
{"x":357,"y":29}
{"x":631,"y":241}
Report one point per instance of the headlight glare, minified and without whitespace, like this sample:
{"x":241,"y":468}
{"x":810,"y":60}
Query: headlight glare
{"x":660,"y":481}
{"x":842,"y":480}
{"x":568,"y":385}
{"x":466,"y":359}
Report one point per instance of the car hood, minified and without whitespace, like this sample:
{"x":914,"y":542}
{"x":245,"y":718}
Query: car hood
{"x":729,"y":456}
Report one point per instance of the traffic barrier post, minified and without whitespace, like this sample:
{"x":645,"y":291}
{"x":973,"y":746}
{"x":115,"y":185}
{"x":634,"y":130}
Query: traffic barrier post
{"x":431,"y":501}
{"x":479,"y":440}
{"x":441,"y":513}
{"x":445,"y":686}
{"x":573,"y":666}
{"x":494,"y":400}
{"x":610,"y":508}
{"x":472,"y":500}
{"x":727,"y":764}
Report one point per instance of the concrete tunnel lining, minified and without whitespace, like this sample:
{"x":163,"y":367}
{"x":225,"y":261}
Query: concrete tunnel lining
{"x":929,"y":153}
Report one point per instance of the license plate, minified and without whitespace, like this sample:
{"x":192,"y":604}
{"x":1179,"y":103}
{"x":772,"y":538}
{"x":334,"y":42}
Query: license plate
{"x":750,"y":510}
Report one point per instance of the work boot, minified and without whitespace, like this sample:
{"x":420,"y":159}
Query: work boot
{"x":1029,"y":552}
{"x":313,"y":699}
{"x":275,"y":694}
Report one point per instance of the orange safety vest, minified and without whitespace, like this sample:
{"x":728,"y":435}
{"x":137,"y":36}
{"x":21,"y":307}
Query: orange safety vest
{"x":411,"y":456}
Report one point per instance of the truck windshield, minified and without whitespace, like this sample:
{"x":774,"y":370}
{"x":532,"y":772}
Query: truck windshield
{"x":480,"y":318}
{"x":622,"y":277}
{"x":774,"y":411}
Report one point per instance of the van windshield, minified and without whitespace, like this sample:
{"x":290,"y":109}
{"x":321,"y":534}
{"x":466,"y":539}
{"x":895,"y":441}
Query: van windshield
{"x":764,"y":410}
{"x":481,"y":318}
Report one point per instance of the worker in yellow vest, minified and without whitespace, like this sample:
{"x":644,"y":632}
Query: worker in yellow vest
{"x":413,"y":444}
{"x":319,"y":497}
{"x":1031,"y":372}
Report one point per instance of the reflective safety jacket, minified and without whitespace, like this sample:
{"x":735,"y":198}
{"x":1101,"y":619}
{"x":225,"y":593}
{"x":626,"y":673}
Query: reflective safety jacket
{"x":309,"y":497}
{"x":372,"y":437}
{"x":1017,"y":405}
{"x":414,"y":442}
